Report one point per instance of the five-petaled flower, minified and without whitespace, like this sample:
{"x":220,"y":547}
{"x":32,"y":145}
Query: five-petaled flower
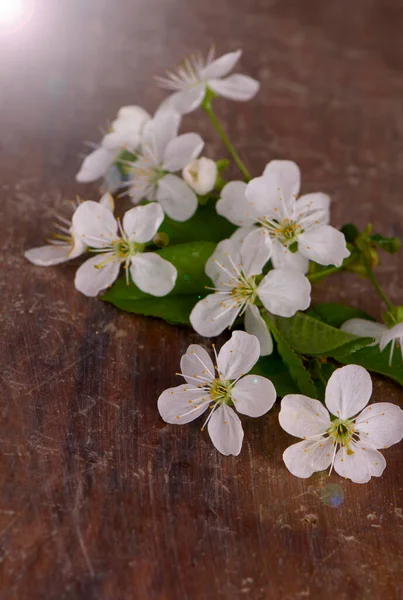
{"x":163,"y":153}
{"x":347,"y":441}
{"x":236,"y":272}
{"x":116,"y":244}
{"x":382,"y":335}
{"x":298,"y":226}
{"x":125,"y":134}
{"x":65,"y":244}
{"x":222,"y":388}
{"x":191,"y":80}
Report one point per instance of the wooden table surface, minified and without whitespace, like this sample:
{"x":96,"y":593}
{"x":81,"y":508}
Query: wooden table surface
{"x":101,"y":500}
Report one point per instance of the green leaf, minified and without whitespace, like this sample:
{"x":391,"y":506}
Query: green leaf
{"x":294,"y":363}
{"x":307,"y":335}
{"x":388,"y":244}
{"x":205,"y":225}
{"x":373,"y":359}
{"x":176,"y":310}
{"x":274,"y":368}
{"x":336,"y":314}
{"x":189,"y":260}
{"x":350,"y":232}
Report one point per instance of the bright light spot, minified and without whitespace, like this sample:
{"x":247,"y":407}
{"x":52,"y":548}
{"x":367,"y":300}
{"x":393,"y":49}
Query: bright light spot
{"x":11,"y":11}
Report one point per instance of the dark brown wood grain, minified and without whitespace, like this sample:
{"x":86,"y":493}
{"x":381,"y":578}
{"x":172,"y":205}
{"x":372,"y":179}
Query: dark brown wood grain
{"x":100,"y":500}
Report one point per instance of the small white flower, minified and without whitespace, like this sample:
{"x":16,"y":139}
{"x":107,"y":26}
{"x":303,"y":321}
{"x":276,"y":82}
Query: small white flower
{"x":163,"y":152}
{"x":298,"y":227}
{"x":383,"y":335}
{"x":190,"y":81}
{"x":65,"y":244}
{"x":200,"y":175}
{"x":223,"y":391}
{"x":235,"y":271}
{"x":346,"y":442}
{"x":117,"y":244}
{"x":125,"y":133}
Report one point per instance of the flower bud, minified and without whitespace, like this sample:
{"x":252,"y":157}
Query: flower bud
{"x":200,"y":175}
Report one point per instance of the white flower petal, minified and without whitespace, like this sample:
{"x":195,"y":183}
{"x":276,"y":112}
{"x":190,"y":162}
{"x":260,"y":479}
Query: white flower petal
{"x":323,"y":244}
{"x":238,"y":355}
{"x":108,"y":201}
{"x":365,"y":328}
{"x":91,"y":278}
{"x":380,"y":424}
{"x":316,"y":204}
{"x":348,"y":391}
{"x":284,"y":292}
{"x":95,"y":224}
{"x":220,"y":265}
{"x":184,"y":101}
{"x":235,"y":87}
{"x":359,"y":463}
{"x":112,"y":180}
{"x":255,"y":325}
{"x":196,"y":363}
{"x":181,"y":404}
{"x":181,"y":150}
{"x":287,"y":175}
{"x":221,"y":66}
{"x":253,"y":395}
{"x":233,"y":204}
{"x":95,"y":165}
{"x":256,"y":251}
{"x":213,"y":314}
{"x":225,"y":430}
{"x":152,"y":274}
{"x":135,"y":114}
{"x":306,"y":457}
{"x":158,"y":132}
{"x":46,"y":256}
{"x":77,"y":247}
{"x":177,"y":199}
{"x":200,"y":175}
{"x":395,"y":333}
{"x":141,"y":223}
{"x":239,"y":235}
{"x":282,"y":258}
{"x":303,"y":417}
{"x":121,"y":139}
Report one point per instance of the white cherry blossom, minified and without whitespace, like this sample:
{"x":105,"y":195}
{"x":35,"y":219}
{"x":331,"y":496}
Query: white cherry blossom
{"x":64,"y":244}
{"x":381,"y":333}
{"x":298,"y":226}
{"x":116,"y":244}
{"x":125,"y":134}
{"x":190,"y":81}
{"x":222,"y":388}
{"x":163,"y":153}
{"x":200,"y":175}
{"x":235,"y":270}
{"x":347,"y":435}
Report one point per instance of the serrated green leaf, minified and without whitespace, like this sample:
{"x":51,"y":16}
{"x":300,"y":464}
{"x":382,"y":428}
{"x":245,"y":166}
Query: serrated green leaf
{"x":189,"y":260}
{"x":294,"y":363}
{"x":307,"y":335}
{"x":336,"y":314}
{"x":205,"y":225}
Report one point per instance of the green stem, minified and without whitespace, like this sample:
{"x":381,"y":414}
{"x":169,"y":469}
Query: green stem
{"x":376,"y":285}
{"x":209,"y":110}
{"x":314,"y":277}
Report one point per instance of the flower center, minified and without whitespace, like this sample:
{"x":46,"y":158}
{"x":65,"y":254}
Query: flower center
{"x":220,"y":391}
{"x":245,"y":291}
{"x":341,"y":432}
{"x":286,"y":231}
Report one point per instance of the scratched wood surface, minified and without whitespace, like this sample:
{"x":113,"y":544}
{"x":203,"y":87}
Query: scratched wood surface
{"x":100,"y":500}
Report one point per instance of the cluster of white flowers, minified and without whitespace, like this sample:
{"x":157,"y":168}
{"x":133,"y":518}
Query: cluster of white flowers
{"x":345,"y":436}
{"x":260,"y":271}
